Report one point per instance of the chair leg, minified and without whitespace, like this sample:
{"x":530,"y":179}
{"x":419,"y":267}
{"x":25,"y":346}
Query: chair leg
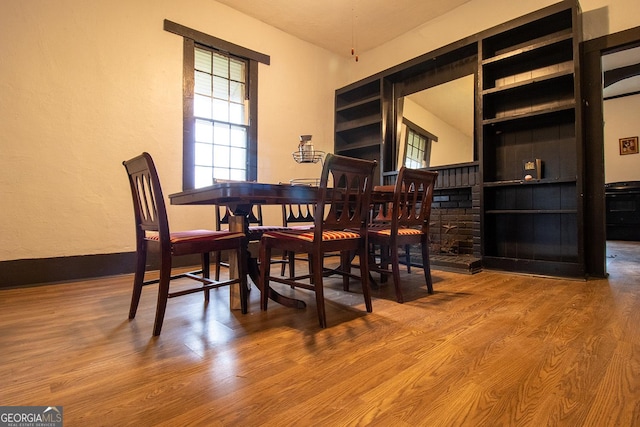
{"x":285,"y":261}
{"x":364,"y":278}
{"x":292,"y":266}
{"x":217,"y":259}
{"x":163,"y":292}
{"x":319,"y":288}
{"x":407,"y":254}
{"x":427,"y":267}
{"x":138,"y":280}
{"x":384,"y":262}
{"x":265,"y":271}
{"x":395,"y":268}
{"x":345,"y":266}
{"x":206,"y":272}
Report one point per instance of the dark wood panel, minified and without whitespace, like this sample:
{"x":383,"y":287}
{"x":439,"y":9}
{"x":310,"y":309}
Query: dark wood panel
{"x":46,"y":270}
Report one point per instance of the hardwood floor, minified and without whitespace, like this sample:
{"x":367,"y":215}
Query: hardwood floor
{"x":491,"y":349}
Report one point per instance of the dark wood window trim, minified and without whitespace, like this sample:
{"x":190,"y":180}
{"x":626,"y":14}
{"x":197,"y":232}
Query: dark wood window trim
{"x":216,"y":43}
{"x":191,"y":38}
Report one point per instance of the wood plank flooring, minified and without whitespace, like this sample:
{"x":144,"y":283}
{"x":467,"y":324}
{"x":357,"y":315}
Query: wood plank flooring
{"x":490,"y":349}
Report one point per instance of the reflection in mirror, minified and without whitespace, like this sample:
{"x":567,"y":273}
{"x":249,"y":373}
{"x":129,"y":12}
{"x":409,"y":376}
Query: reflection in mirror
{"x":437,"y":125}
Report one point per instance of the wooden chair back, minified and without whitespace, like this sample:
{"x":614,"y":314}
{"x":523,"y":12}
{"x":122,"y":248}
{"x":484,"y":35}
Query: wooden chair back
{"x":412,"y":199}
{"x":148,"y":201}
{"x":346,"y":204}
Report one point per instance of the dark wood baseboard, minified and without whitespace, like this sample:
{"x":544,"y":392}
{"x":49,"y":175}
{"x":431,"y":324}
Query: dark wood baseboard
{"x":29,"y":272}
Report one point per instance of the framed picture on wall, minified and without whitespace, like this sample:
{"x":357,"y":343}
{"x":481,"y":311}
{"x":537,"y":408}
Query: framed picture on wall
{"x":629,"y":145}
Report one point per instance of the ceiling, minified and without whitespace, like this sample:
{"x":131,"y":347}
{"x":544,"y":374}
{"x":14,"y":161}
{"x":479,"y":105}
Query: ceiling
{"x":339,"y":25}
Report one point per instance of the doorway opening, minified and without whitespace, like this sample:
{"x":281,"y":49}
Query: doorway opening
{"x":595,"y":200}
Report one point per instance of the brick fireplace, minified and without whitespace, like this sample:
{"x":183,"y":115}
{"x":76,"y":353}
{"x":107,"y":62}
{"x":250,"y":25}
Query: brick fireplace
{"x":455,"y":220}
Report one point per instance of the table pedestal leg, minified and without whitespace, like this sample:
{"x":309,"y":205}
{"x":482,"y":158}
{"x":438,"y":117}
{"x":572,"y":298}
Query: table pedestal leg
{"x":236,"y":223}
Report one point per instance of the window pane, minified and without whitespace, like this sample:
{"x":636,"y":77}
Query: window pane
{"x":202,"y":83}
{"x":204,"y":131}
{"x":220,"y":110}
{"x":203,"y":176}
{"x":221,"y":156}
{"x":220,"y":65}
{"x":236,"y":92}
{"x":221,"y":88}
{"x":202,"y":60}
{"x":237,"y":114}
{"x":238,"y":156}
{"x":202,"y":106}
{"x":221,"y":133}
{"x":238,"y":137}
{"x":204,"y":154}
{"x":221,"y":173}
{"x":238,"y":175}
{"x":236,"y":70}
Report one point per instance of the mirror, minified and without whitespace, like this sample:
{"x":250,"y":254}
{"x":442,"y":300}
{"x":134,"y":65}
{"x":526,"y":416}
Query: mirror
{"x":444,"y":115}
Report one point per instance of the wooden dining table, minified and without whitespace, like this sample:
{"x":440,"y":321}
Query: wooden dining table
{"x":240,"y":197}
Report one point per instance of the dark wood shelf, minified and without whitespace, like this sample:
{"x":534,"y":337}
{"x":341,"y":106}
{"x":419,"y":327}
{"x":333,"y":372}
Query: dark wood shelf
{"x":359,"y":123}
{"x":533,"y":46}
{"x":529,"y":211}
{"x":518,"y":182}
{"x":549,"y":78}
{"x":360,"y":103}
{"x":531,"y":109}
{"x":369,"y":144}
{"x":530,"y":31}
{"x":561,"y":108}
{"x":357,"y":93}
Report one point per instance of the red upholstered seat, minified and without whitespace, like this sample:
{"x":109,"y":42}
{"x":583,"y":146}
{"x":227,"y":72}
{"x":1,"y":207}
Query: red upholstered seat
{"x":387,"y":231}
{"x":195,"y":235}
{"x":256,"y":232}
{"x":309,"y":235}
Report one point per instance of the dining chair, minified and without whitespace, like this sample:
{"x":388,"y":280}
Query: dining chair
{"x":340,"y":225}
{"x":152,"y":234}
{"x":408,"y":224}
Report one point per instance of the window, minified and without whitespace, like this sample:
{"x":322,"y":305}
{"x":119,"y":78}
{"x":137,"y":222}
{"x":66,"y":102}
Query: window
{"x":220,"y":116}
{"x":418,"y":146}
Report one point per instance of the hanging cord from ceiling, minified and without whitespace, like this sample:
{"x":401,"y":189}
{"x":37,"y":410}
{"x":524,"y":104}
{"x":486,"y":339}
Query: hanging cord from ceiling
{"x":354,"y":42}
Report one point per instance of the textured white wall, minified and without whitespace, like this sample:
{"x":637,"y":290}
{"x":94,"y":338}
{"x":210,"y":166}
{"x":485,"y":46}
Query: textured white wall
{"x":87,"y":84}
{"x":621,"y":121}
{"x":452,"y":147}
